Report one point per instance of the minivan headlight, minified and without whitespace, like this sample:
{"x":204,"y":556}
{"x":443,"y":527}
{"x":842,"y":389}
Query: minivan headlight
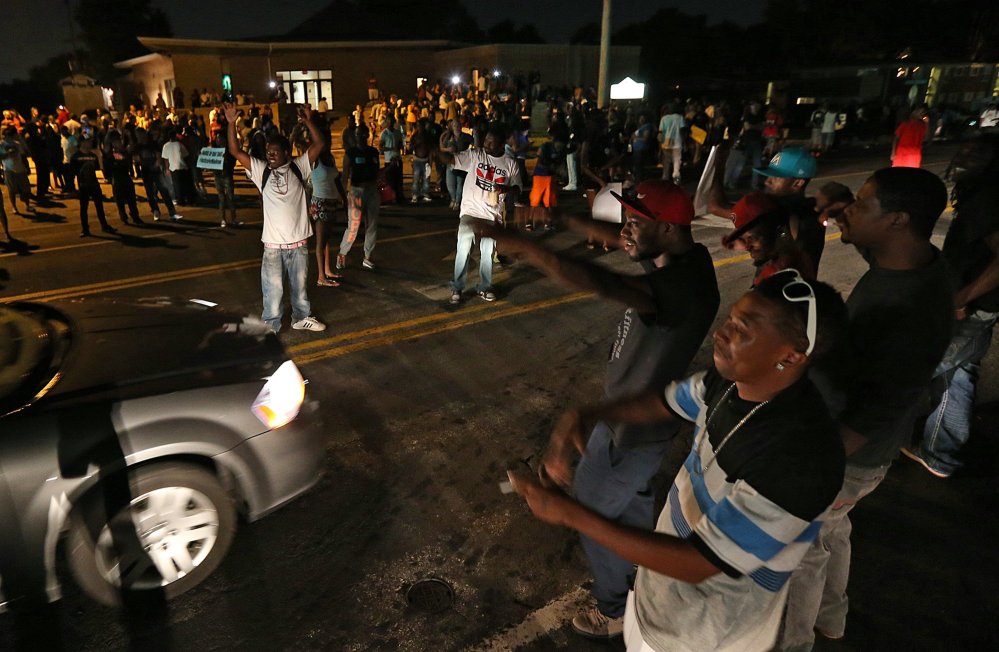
{"x":281,"y":397}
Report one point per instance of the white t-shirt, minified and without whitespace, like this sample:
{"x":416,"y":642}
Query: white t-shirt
{"x":175,"y":154}
{"x":484,"y":172}
{"x":286,"y":215}
{"x":829,"y":122}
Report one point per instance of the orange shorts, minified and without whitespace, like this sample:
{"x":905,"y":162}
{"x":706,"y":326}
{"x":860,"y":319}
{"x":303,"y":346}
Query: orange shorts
{"x":543,"y":192}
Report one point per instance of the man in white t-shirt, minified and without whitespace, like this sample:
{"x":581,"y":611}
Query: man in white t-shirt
{"x":281,"y":181}
{"x":490,"y":175}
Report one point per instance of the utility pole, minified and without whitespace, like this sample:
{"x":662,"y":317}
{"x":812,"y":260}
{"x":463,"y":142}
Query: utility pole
{"x":74,"y":63}
{"x":603,"y":88}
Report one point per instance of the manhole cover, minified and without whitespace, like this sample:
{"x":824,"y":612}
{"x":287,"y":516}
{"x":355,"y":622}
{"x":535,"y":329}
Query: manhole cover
{"x":430,"y":595}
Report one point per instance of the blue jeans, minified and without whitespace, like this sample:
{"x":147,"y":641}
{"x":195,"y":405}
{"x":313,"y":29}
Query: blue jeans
{"x":953,"y":390}
{"x":421,"y":185}
{"x":615,"y":483}
{"x":466,"y":238}
{"x":276,"y":264}
{"x":455,"y":183}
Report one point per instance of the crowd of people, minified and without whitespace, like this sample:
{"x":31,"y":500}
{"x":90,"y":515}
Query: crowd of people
{"x":807,"y":400}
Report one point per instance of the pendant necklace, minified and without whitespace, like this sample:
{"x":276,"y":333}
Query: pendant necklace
{"x":742,"y":422}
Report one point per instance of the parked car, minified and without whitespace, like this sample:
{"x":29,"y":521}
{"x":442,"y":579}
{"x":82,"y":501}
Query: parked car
{"x":132,"y":437}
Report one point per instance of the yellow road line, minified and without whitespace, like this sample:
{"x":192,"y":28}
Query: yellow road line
{"x":442,"y":328}
{"x":165,"y":277}
{"x":384,"y":328}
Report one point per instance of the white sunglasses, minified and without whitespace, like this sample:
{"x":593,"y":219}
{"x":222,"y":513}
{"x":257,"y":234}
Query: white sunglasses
{"x":797,"y":290}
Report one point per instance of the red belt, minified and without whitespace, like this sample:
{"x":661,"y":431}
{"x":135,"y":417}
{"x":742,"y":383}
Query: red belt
{"x":293,"y":245}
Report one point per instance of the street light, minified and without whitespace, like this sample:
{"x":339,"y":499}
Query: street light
{"x":455,"y":79}
{"x":496,"y":73}
{"x":272,"y":84}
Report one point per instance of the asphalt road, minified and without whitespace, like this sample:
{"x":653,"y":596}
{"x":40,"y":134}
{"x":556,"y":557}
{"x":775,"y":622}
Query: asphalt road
{"x":423,"y":406}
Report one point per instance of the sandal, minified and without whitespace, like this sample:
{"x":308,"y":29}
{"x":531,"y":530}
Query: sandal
{"x":327,"y":283}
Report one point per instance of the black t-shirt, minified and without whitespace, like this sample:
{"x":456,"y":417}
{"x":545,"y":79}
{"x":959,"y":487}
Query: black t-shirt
{"x":790,"y":450}
{"x":965,"y":248}
{"x":811,"y":232}
{"x":900,"y":324}
{"x":363,"y":164}
{"x":85,"y":165}
{"x":651,"y":350}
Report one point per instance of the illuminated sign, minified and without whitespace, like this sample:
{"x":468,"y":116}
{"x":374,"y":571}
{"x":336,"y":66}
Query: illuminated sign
{"x":627,"y":89}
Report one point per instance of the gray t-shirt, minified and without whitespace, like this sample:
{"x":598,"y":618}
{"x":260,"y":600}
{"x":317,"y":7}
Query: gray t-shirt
{"x":653,"y":349}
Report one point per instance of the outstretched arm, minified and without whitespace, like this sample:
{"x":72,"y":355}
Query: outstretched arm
{"x":231,"y":115}
{"x":318,"y":141}
{"x":632,"y":291}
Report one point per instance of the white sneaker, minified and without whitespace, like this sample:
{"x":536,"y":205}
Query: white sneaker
{"x":367,"y":263}
{"x":414,"y":199}
{"x":593,"y":624}
{"x":156,"y":217}
{"x":455,"y":298}
{"x":486,"y":295}
{"x":223,"y":224}
{"x":309,"y":324}
{"x":425,"y":199}
{"x":570,"y":188}
{"x":176,"y":216}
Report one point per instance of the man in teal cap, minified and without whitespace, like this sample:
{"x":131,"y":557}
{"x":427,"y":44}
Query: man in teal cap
{"x":787,"y":176}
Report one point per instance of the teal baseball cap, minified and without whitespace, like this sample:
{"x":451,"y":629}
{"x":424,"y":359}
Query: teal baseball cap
{"x":790,"y":163}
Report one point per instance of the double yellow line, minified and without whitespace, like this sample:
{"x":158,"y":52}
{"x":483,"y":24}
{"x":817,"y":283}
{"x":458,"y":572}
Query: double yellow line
{"x":431,"y":325}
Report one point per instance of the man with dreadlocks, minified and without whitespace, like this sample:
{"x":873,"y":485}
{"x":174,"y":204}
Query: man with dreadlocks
{"x":972,"y":250}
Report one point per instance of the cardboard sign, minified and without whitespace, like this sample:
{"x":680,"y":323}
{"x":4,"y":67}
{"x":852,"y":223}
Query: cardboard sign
{"x":704,"y":185}
{"x":605,"y":207}
{"x":211,"y":158}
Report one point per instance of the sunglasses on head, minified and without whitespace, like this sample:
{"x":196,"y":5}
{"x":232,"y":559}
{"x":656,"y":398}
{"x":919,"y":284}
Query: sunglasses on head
{"x":797,"y":290}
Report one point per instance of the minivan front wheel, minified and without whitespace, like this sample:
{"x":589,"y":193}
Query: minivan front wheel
{"x":170,"y":535}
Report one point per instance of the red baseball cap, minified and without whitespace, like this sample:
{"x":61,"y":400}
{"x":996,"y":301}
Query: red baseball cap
{"x":747,"y":211}
{"x":660,"y":201}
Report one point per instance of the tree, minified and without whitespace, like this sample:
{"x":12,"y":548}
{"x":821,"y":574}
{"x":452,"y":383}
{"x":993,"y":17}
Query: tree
{"x":506,"y":32}
{"x":358,"y":20}
{"x":109,"y":29}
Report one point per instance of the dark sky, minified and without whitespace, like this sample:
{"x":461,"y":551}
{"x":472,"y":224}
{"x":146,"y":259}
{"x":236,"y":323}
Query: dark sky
{"x":34,"y":30}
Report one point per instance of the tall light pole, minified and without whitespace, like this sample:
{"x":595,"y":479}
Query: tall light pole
{"x":74,"y":64}
{"x":603,"y":88}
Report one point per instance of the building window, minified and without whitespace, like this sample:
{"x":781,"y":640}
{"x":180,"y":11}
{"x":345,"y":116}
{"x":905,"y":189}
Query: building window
{"x":307,"y":86}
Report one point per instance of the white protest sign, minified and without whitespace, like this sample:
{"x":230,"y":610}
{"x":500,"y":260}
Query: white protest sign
{"x":605,"y":207}
{"x":704,"y":185}
{"x":211,"y":158}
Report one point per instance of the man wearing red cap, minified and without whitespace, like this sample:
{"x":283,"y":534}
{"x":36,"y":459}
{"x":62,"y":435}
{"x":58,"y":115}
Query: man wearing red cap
{"x":761,"y":229}
{"x":669,"y":312}
{"x":787,"y":176}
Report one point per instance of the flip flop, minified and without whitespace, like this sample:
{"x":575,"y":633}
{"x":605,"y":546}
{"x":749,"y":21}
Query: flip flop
{"x":327,"y":283}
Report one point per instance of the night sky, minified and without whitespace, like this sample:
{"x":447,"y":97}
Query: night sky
{"x":34,"y":30}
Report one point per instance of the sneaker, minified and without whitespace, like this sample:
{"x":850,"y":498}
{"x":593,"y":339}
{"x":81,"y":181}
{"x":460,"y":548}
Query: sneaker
{"x":425,"y":199}
{"x":223,"y":224}
{"x":570,"y":188}
{"x":309,"y":324}
{"x":109,"y":229}
{"x":455,"y":298}
{"x":414,"y":199}
{"x":176,"y":216}
{"x":367,"y":264}
{"x":593,"y":624}
{"x":486,"y":295}
{"x":916,"y":457}
{"x":676,"y":180}
{"x":341,"y":261}
{"x":156,"y":217}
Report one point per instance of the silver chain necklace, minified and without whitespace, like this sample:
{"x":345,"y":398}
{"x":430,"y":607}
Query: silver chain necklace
{"x":742,"y":422}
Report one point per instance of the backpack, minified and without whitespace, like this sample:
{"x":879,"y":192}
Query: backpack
{"x":294,"y":170}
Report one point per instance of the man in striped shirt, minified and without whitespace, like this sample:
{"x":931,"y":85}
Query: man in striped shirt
{"x":765,"y":463}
